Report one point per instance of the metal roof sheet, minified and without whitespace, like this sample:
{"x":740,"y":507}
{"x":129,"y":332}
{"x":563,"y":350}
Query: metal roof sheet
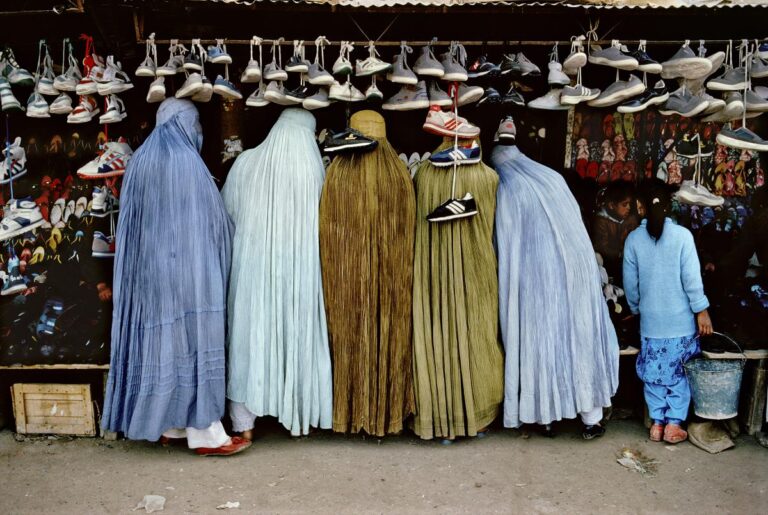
{"x":598,"y":4}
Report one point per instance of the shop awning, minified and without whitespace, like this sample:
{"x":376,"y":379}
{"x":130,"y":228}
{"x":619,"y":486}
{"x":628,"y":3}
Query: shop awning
{"x":597,"y":4}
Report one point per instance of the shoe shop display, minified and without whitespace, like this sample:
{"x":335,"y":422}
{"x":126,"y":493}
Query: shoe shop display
{"x":612,"y":56}
{"x":657,"y":95}
{"x":401,"y":73}
{"x":258,"y":97}
{"x":348,"y":140}
{"x":427,"y":64}
{"x":205,"y":93}
{"x":685,"y":64}
{"x":618,"y":92}
{"x":148,"y":67}
{"x":459,"y":155}
{"x":741,"y":138}
{"x":14,"y":162}
{"x":111,"y":162}
{"x":317,"y":74}
{"x":454,"y":209}
{"x":86,"y":109}
{"x":103,"y":203}
{"x":68,"y":80}
{"x":372,"y":65}
{"x":408,"y":98}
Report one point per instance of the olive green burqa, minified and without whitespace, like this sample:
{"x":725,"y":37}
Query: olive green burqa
{"x":367,"y":213}
{"x":458,"y":361}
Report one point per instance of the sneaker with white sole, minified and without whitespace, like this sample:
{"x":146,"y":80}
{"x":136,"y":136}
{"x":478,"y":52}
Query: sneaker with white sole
{"x":156,"y":91}
{"x":577,"y":58}
{"x":683,"y":103}
{"x":372,"y":65}
{"x":10,"y":69}
{"x":21,"y":217}
{"x":408,"y":98}
{"x":13,"y":282}
{"x":205,"y":93}
{"x":103,"y":246}
{"x":556,"y":77}
{"x":513,"y":97}
{"x":37,"y":106}
{"x":612,"y":56}
{"x":469,"y":94}
{"x":297,"y":63}
{"x":645,"y":63}
{"x":657,"y":95}
{"x":734,"y":79}
{"x":454,"y":209}
{"x":89,"y":83}
{"x":62,"y":104}
{"x":111,"y":163}
{"x":115,"y":110}
{"x":348,"y":140}
{"x":714,"y":104}
{"x":696,"y":194}
{"x":218,"y":54}
{"x":85,"y":110}
{"x":275,"y":93}
{"x":373,"y":93}
{"x":550,"y":101}
{"x":573,"y":95}
{"x":192,"y":85}
{"x":453,"y":63}
{"x":459,"y":155}
{"x":752,"y":101}
{"x":14,"y":162}
{"x":685,"y":64}
{"x":447,"y":124}
{"x":257,"y":99}
{"x":317,"y":101}
{"x":146,"y":68}
{"x":401,"y":73}
{"x":507,"y":132}
{"x":346,"y":92}
{"x":7,"y":99}
{"x":741,"y":138}
{"x":68,"y":80}
{"x":226,"y":89}
{"x":427,"y":64}
{"x":482,"y":67}
{"x":300,"y":93}
{"x":526,"y":66}
{"x":437,"y":96}
{"x":758,"y":67}
{"x":45,"y":81}
{"x":114,"y":80}
{"x":273,"y":72}
{"x":342,"y":65}
{"x":618,"y":92}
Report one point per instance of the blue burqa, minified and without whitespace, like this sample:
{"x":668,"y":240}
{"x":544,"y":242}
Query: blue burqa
{"x":172,"y":262}
{"x":562,"y":355}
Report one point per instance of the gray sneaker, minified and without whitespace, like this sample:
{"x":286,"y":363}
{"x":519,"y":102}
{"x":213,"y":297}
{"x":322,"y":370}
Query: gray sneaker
{"x":717,"y":59}
{"x":408,"y":98}
{"x":550,"y":101}
{"x":741,"y":138}
{"x":427,"y":64}
{"x":573,"y":95}
{"x":317,"y":101}
{"x":618,"y":92}
{"x":318,"y":76}
{"x":755,"y":102}
{"x":401,"y":73}
{"x":683,"y":103}
{"x":273,"y":72}
{"x":469,"y":94}
{"x":734,"y":105}
{"x":715,"y":104}
{"x":686,"y":64}
{"x":758,"y":67}
{"x":256,"y":99}
{"x":526,"y":66}
{"x":734,"y":79}
{"x":437,"y":96}
{"x":454,"y":71}
{"x":613,"y":57}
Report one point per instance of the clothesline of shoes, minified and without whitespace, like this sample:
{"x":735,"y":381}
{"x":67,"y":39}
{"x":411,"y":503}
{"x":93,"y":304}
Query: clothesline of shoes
{"x":550,"y":43}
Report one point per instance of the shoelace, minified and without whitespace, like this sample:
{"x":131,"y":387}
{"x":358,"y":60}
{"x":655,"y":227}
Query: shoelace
{"x":38,"y":71}
{"x":553,"y":55}
{"x":458,"y":53}
{"x":320,"y":43}
{"x":372,"y":52}
{"x":404,"y":51}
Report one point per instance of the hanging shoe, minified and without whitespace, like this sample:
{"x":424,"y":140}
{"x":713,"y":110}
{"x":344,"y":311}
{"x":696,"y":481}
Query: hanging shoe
{"x":115,"y":110}
{"x":683,"y":103}
{"x":618,"y":92}
{"x":191,"y":86}
{"x":68,"y":80}
{"x":556,"y":76}
{"x":342,"y":65}
{"x":103,"y":246}
{"x":482,"y":67}
{"x":14,"y":162}
{"x":297,"y":63}
{"x":111,"y":163}
{"x":257,"y":99}
{"x":15,"y":74}
{"x":348,"y":140}
{"x":550,"y":101}
{"x":645,"y":63}
{"x":62,"y":104}
{"x":437,"y":96}
{"x":22,"y":217}
{"x":401,"y":73}
{"x":453,"y":63}
{"x":696,"y":194}
{"x":114,"y":80}
{"x":469,"y":94}
{"x":37,"y":107}
{"x":490,"y":97}
{"x":454,"y":209}
{"x":317,"y":101}
{"x":373,"y":93}
{"x":85,"y":111}
{"x":275,"y":93}
{"x":577,"y":94}
{"x":752,"y":101}
{"x":427,"y":64}
{"x":460,"y":155}
{"x":526,"y":66}
{"x":446,"y":123}
{"x":156,"y":91}
{"x":577,"y":58}
{"x":513,"y":97}
{"x":147,"y":68}
{"x":741,"y":138}
{"x":715,"y":104}
{"x":223,"y":87}
{"x":252,"y":72}
{"x":218,"y":54}
{"x":274,"y":71}
{"x":612,"y":56}
{"x":14,"y":282}
{"x":45,"y":80}
{"x":685,"y":64}
{"x":372,"y":65}
{"x":734,"y":79}
{"x":408,"y":98}
{"x":205,"y":93}
{"x":299,"y":94}
{"x":346,"y":92}
{"x":657,"y":95}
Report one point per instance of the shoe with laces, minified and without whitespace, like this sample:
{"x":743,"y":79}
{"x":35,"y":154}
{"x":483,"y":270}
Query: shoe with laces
{"x":446,"y":123}
{"x":20,"y":217}
{"x":696,"y":194}
{"x":147,"y":67}
{"x":556,"y":76}
{"x":62,"y":104}
{"x":453,"y":64}
{"x":156,"y":91}
{"x":236,"y":445}
{"x":10,"y":69}
{"x":342,"y":65}
{"x":275,"y":93}
{"x":252,"y":72}
{"x":758,"y":67}
{"x":103,"y":246}
{"x":401,"y":73}
{"x":645,"y":63}
{"x":372,"y":65}
{"x":593,"y":431}
{"x":318,"y":76}
{"x":88,"y":84}
{"x":37,"y":107}
{"x":272,"y":72}
{"x":14,"y":162}
{"x":205,"y":93}
{"x":482,"y":67}
{"x":526,"y":66}
{"x":257,"y":98}
{"x":174,"y":65}
{"x":612,"y":56}
{"x":114,"y":80}
{"x":734,"y":79}
{"x":85,"y":110}
{"x":317,"y":101}
{"x":459,"y":155}
{"x":226,"y":89}
{"x":103,"y":203}
{"x":509,"y":65}
{"x":115,"y":110}
{"x":191,"y":86}
{"x":752,"y":101}
{"x":577,"y":58}
{"x":348,"y":140}
{"x":573,"y":95}
{"x":437,"y":96}
{"x":68,"y":80}
{"x":734,"y":104}
{"x":686,"y":64}
{"x":507,"y":132}
{"x":193,"y":62}
{"x":410,"y":97}
{"x":490,"y":97}
{"x":373,"y":93}
{"x":714,"y":104}
{"x":427,"y":64}
{"x":346,"y":92}
{"x":741,"y":138}
{"x":45,"y":80}
{"x":110,"y":163}
{"x":470,"y":94}
{"x":550,"y":101}
{"x":513,"y":97}
{"x":218,"y":54}
{"x":454,"y":209}
{"x":657,"y":95}
{"x":618,"y":92}
{"x":683,"y":103}
{"x":14,"y":282}
{"x":299,"y":94}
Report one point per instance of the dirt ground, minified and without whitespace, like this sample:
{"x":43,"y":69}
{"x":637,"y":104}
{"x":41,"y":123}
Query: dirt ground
{"x":508,"y":471}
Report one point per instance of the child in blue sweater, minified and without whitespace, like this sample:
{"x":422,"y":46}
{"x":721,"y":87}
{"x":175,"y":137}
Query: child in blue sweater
{"x":662,"y":282}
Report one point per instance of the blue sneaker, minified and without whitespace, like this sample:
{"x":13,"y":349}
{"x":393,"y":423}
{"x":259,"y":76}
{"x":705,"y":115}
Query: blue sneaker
{"x":14,"y":283}
{"x":226,"y":89}
{"x":762,"y":50}
{"x":459,"y":155}
{"x":218,"y":54}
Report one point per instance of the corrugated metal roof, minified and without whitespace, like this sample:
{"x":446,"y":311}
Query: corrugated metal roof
{"x":598,"y":4}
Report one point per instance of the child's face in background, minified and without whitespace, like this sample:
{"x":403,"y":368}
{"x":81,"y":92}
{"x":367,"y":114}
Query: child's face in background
{"x":621,"y":209}
{"x":640,"y":209}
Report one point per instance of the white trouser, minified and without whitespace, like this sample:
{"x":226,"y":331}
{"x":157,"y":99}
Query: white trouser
{"x":592,"y":417}
{"x":211,"y":437}
{"x":242,"y":418}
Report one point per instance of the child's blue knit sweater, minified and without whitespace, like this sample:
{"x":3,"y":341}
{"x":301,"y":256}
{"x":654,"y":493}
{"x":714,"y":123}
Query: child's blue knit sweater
{"x":662,"y":281}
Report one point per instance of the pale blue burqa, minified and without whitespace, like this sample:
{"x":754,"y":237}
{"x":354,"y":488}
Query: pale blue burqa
{"x":279,"y":361}
{"x":562,"y":354}
{"x":170,"y":281}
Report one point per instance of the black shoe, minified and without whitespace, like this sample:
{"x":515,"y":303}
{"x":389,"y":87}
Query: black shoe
{"x":193,"y":63}
{"x":348,"y":140}
{"x":481,"y":67}
{"x":691,"y":149}
{"x":653,"y":96}
{"x":591,"y":432}
{"x":491,"y":97}
{"x":453,"y":209}
{"x":509,"y":64}
{"x":297,"y":64}
{"x":513,"y":97}
{"x":646,"y":64}
{"x":300,"y":93}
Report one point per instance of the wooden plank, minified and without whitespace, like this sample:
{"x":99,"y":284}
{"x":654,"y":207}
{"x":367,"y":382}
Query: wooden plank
{"x":748,"y":354}
{"x":754,"y":415}
{"x":53,"y":408}
{"x":54,"y":367}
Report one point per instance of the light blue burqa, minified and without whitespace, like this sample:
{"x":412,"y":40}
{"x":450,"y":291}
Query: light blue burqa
{"x":279,"y":361}
{"x":170,"y":281}
{"x":562,"y":354}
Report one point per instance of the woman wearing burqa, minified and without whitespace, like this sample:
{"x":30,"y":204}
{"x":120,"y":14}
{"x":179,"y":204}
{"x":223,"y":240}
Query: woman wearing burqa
{"x":170,"y":282}
{"x":458,"y":362}
{"x":367,"y":256}
{"x":278,"y":359}
{"x":562,"y":354}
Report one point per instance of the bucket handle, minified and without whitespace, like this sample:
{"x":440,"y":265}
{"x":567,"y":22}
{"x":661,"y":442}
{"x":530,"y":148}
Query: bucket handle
{"x":727,"y":337}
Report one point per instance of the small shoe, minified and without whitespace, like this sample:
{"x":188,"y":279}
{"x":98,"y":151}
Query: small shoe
{"x":62,"y":104}
{"x":507,"y":132}
{"x":256,"y":99}
{"x":348,"y":140}
{"x":673,"y":433}
{"x":317,"y":101}
{"x":85,"y":111}
{"x":454,"y":209}
{"x":37,"y":107}
{"x":273,"y":72}
{"x":482,"y":67}
{"x":427,"y":64}
{"x":226,"y":89}
{"x":342,"y":65}
{"x":218,"y":54}
{"x":156,"y":91}
{"x":346,"y":92}
{"x":470,"y":94}
{"x":573,"y":95}
{"x":409,"y":97}
{"x":656,"y":433}
{"x":252,"y":72}
{"x":236,"y":445}
{"x":591,"y":432}
{"x":550,"y":101}
{"x":556,"y":76}
{"x":613,"y":57}
{"x":437,"y":96}
{"x":447,"y":124}
{"x":205,"y":93}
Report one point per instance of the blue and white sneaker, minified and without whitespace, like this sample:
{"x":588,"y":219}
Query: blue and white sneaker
{"x":458,"y":155}
{"x":37,"y":107}
{"x":226,"y":89}
{"x":762,"y":50}
{"x":14,"y":282}
{"x":14,"y":162}
{"x":741,"y":138}
{"x":8,"y":101}
{"x":16,"y":75}
{"x":218,"y":54}
{"x":103,"y":203}
{"x":21,"y":216}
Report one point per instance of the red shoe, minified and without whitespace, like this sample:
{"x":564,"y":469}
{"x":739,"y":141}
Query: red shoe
{"x":657,"y":431}
{"x":238,"y":445}
{"x":675,"y":434}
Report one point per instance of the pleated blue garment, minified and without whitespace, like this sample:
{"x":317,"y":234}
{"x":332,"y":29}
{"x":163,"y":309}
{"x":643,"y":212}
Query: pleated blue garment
{"x":172,"y":261}
{"x":279,"y":361}
{"x":562,"y":355}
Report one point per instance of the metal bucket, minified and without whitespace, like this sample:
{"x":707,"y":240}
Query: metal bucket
{"x":715,"y":385}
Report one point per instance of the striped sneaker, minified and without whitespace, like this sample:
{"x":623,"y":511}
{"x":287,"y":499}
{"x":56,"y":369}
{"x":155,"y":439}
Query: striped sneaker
{"x":111,"y":163}
{"x":454,"y":209}
{"x":458,"y":155}
{"x":446,"y":123}
{"x":14,"y":162}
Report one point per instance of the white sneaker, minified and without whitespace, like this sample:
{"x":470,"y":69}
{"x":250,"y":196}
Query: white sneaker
{"x":577,"y":58}
{"x":572,"y":95}
{"x":62,"y":104}
{"x":550,"y":101}
{"x":114,"y":80}
{"x":372,"y":65}
{"x":256,"y":99}
{"x":156,"y":91}
{"x":68,"y":80}
{"x":37,"y":107}
{"x":373,"y":93}
{"x":115,"y":110}
{"x":317,"y":101}
{"x":346,"y":92}
{"x":13,"y":163}
{"x":205,"y":93}
{"x":192,"y":85}
{"x":252,"y":72}
{"x":343,"y":66}
{"x":275,"y":93}
{"x":696,"y":194}
{"x":85,"y":111}
{"x":556,"y":76}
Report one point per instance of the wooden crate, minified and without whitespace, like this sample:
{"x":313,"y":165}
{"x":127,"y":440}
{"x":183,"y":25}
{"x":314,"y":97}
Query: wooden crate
{"x":62,"y":409}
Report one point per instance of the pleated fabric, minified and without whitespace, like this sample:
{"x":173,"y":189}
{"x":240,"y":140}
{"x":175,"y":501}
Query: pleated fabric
{"x":458,"y":361}
{"x":367,"y":216}
{"x":170,"y":281}
{"x":562,"y":354}
{"x":278,"y":358}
